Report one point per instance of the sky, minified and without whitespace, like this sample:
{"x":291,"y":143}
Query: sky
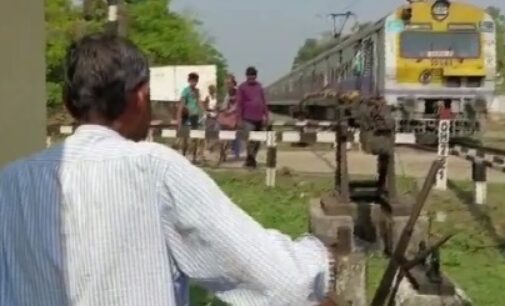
{"x":268,"y":33}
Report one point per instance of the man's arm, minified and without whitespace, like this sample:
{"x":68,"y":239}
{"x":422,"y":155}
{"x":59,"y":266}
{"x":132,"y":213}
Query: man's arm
{"x":219,"y":246}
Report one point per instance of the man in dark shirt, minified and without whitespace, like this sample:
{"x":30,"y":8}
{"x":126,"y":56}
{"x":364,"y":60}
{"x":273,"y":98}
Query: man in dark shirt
{"x":252,"y":111}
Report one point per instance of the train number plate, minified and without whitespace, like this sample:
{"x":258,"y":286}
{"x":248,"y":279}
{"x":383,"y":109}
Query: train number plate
{"x":447,"y":53}
{"x":441,"y":62}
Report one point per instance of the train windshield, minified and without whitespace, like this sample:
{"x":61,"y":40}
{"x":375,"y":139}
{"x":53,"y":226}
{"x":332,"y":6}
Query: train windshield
{"x":416,"y":44}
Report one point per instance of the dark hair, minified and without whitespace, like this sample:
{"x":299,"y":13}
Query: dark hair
{"x":193,"y":76}
{"x":251,"y":71}
{"x":100,"y":70}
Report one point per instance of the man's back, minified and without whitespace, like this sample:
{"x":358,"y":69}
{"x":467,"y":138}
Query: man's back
{"x":81,"y":225}
{"x":106,"y":219}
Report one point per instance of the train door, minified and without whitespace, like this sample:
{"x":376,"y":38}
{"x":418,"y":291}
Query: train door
{"x":358,"y":64}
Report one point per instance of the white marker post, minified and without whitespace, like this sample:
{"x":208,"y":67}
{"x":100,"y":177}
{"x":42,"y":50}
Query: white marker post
{"x":271,"y":158}
{"x":444,"y":133}
{"x":479,"y":179}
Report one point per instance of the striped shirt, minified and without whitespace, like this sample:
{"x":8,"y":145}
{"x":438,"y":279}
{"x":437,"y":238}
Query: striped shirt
{"x":101,"y":220}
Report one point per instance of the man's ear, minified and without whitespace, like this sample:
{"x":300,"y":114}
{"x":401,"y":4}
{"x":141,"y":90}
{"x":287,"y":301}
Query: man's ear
{"x":67,"y":101}
{"x":141,"y":96}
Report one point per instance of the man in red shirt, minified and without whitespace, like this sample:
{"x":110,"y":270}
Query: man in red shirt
{"x":252,"y":111}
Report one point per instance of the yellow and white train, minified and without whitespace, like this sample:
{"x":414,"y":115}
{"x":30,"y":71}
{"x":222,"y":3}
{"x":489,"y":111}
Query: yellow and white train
{"x":423,"y":57}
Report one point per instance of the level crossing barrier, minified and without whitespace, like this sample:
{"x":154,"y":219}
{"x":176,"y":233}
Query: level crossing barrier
{"x":307,"y":132}
{"x":299,"y":132}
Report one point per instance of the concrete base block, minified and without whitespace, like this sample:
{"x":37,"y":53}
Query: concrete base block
{"x":332,"y":229}
{"x":407,"y":296}
{"x":351,"y":279}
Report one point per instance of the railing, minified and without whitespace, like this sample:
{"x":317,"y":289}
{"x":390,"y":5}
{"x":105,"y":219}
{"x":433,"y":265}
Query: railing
{"x":270,"y":137}
{"x":307,"y":132}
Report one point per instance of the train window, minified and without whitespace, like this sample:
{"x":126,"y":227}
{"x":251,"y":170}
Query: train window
{"x":440,"y":44}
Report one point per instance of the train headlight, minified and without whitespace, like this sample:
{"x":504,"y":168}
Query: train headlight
{"x":440,"y":9}
{"x":425,"y":77}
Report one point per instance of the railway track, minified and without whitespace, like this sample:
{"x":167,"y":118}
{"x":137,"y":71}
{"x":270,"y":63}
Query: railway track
{"x":309,"y":131}
{"x":492,"y":157}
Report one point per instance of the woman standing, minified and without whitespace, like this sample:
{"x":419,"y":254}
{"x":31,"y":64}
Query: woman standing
{"x":228,"y":116}
{"x":211,"y":109}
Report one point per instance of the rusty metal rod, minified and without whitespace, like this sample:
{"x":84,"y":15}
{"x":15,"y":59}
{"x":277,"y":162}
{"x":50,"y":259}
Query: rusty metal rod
{"x":382,"y":293}
{"x":409,"y":264}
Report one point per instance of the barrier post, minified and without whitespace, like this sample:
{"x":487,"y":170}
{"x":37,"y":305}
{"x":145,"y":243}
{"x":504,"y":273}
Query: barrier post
{"x":271,"y":158}
{"x":444,"y":132}
{"x":479,"y":178}
{"x":150,"y":135}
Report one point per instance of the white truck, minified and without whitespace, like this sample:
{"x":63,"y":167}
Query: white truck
{"x":167,"y":82}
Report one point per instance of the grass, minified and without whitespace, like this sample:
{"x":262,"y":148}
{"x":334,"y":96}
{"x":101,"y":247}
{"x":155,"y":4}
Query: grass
{"x":474,"y":258}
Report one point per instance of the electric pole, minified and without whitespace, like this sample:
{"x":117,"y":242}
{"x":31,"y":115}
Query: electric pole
{"x":334,"y":16}
{"x":116,"y":23}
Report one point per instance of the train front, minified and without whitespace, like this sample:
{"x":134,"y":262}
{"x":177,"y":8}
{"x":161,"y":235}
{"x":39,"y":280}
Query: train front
{"x":440,"y":64}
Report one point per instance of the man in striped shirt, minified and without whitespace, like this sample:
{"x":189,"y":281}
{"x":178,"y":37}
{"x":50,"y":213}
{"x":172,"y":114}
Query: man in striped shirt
{"x":107,"y":219}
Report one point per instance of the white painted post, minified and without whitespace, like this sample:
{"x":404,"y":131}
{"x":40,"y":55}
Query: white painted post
{"x":444,"y":133}
{"x":271,"y":158}
{"x":480,"y":184}
{"x":150,"y":136}
{"x":357,"y":140}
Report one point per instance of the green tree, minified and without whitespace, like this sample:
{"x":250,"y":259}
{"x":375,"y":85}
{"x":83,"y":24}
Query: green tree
{"x":166,"y":37}
{"x":64,"y":22}
{"x":308,"y":51}
{"x":499,"y":19}
{"x":171,"y":39}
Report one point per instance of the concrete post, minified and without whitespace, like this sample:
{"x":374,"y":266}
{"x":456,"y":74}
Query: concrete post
{"x":112,"y":25}
{"x":479,"y":179}
{"x":22,"y":85}
{"x":351,"y":264}
{"x":444,"y":132}
{"x":342,"y":172}
{"x":271,"y":158}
